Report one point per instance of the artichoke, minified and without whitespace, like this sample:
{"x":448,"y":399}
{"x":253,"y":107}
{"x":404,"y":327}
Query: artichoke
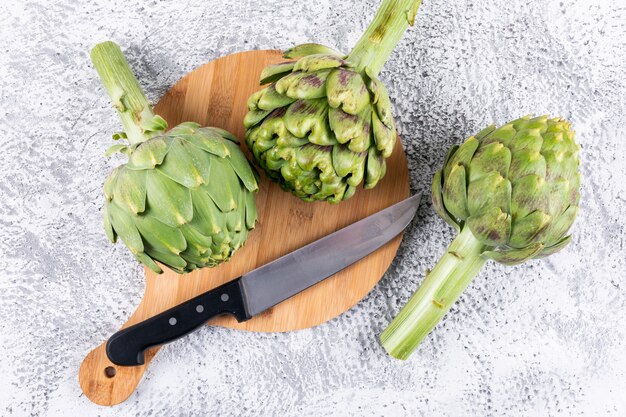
{"x":323,"y":125}
{"x":512,"y":193}
{"x":185,"y":198}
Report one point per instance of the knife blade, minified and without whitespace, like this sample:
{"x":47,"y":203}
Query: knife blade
{"x":266,"y":286}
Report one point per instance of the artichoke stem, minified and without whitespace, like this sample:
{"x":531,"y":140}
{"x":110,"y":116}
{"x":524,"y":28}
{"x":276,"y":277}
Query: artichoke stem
{"x":124,"y":90}
{"x":439,"y":291}
{"x":382,"y":35}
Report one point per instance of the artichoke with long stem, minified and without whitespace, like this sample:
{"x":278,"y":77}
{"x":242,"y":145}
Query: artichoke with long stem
{"x":512,"y":193}
{"x":185,"y":198}
{"x":323,"y":125}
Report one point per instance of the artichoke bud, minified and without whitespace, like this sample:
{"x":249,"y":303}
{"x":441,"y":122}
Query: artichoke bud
{"x":515,"y":187}
{"x":185,"y":196}
{"x":182,"y":199}
{"x":324,"y":100}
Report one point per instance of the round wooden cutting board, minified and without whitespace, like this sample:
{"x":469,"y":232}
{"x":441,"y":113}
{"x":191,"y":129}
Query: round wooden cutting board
{"x":215,"y":95}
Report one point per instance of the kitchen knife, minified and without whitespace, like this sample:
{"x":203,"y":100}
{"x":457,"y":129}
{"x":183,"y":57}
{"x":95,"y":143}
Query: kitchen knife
{"x":266,"y":286}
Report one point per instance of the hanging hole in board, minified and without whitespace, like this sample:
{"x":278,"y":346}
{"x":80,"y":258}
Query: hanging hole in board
{"x":199,"y":308}
{"x":224,"y":297}
{"x":109,"y":372}
{"x":172,"y":321}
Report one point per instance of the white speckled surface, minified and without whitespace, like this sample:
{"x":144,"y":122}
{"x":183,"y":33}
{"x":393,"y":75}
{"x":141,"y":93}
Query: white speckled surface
{"x":543,"y":339}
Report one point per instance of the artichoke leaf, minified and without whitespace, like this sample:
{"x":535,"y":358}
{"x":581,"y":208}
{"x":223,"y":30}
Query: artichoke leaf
{"x":119,"y":135}
{"x":305,"y":49}
{"x":108,"y":229}
{"x":253,"y":100}
{"x":251,"y":210}
{"x":287,"y":140}
{"x":384,"y":136}
{"x":560,"y":164}
{"x":254,"y":117}
{"x":346,"y":89}
{"x":514,"y":256}
{"x":130,"y":190}
{"x":109,"y":183}
{"x":160,"y":236}
{"x":275,"y":158}
{"x":382,"y":102}
{"x":449,"y":154}
{"x":527,"y":139}
{"x":348,"y":164}
{"x":154,"y":124}
{"x":218,"y":132}
{"x":463,"y":155}
{"x":555,"y":248}
{"x":526,"y":162}
{"x":504,"y":134}
{"x":238,"y":240}
{"x":529,"y":229}
{"x":492,"y":227}
{"x":223,"y":195}
{"x":455,"y":193}
{"x":208,"y":141}
{"x":196,"y":241}
{"x":186,"y":165}
{"x":149,"y":154}
{"x":332,"y":190}
{"x":174,"y":261}
{"x":437,"y":198}
{"x":312,"y":156}
{"x":195,"y":261}
{"x":316,"y":62}
{"x":275,"y":72}
{"x":485,"y":132}
{"x":308,"y":85}
{"x":124,"y":226}
{"x":310,"y":118}
{"x":272,"y":99}
{"x":242,"y":167}
{"x":353,"y":129}
{"x":492,"y":190}
{"x":350,"y":191}
{"x":113,"y":149}
{"x":560,"y":225}
{"x":148,"y":261}
{"x":494,"y":157}
{"x":185,"y":128}
{"x":168,"y":201}
{"x":560,"y":191}
{"x":282,"y":86}
{"x":530,"y":193}
{"x":235,"y":219}
{"x":206,"y":216}
{"x":374,"y":169}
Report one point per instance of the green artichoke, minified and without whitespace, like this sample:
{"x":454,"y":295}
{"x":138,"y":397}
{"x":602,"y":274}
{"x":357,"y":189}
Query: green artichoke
{"x":512,"y":193}
{"x":324,"y":125}
{"x":185,"y":198}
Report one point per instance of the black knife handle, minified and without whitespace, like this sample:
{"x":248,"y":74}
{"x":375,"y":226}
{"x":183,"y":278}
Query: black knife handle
{"x":126,"y":347}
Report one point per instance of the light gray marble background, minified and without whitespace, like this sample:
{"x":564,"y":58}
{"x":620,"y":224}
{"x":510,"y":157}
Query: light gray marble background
{"x":542,"y":339}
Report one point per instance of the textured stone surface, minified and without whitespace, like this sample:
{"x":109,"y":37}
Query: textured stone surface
{"x":545,"y":338}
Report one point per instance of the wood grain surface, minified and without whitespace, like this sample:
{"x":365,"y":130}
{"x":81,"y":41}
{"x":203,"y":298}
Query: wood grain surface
{"x":215,"y":95}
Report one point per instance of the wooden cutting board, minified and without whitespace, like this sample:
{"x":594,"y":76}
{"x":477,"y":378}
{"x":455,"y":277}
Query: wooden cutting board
{"x":215,"y":95}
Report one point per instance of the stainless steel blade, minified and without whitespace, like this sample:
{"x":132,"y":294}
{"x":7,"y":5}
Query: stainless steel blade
{"x":285,"y":277}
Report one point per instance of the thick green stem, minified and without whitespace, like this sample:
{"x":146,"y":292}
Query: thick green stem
{"x":126,"y":94}
{"x":382,"y":35}
{"x":439,"y":291}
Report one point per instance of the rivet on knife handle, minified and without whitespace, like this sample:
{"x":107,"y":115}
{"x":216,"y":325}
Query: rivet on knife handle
{"x":126,"y":347}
